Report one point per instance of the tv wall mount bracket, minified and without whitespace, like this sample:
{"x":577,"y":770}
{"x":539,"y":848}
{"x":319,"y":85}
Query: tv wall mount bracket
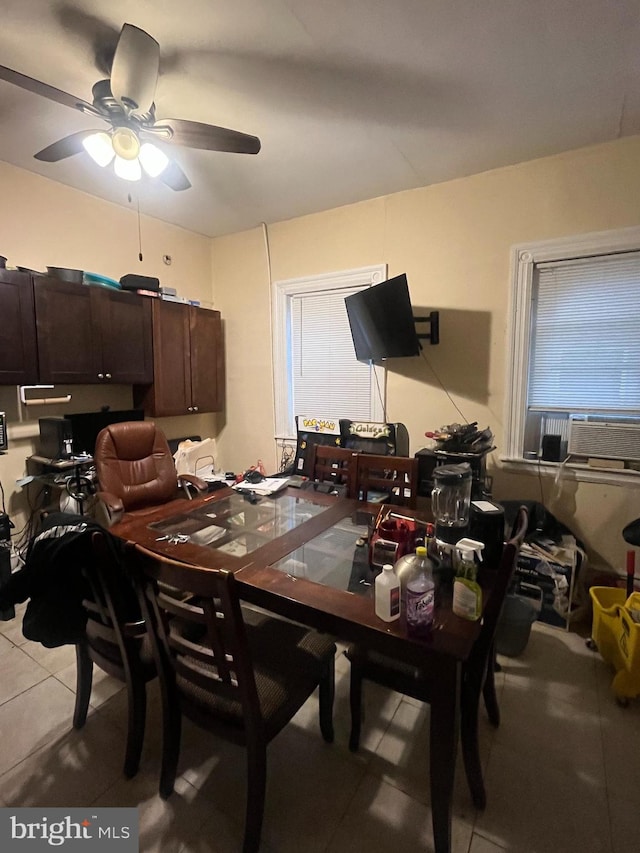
{"x":433,"y":335}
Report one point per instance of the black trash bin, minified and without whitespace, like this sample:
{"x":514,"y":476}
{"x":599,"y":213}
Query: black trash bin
{"x":514,"y":626}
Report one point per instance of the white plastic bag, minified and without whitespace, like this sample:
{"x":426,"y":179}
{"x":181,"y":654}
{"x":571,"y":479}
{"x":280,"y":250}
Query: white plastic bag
{"x":196,"y":457}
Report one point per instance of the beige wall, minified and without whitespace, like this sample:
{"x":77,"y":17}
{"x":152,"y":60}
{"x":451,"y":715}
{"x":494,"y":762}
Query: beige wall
{"x":44,"y":223}
{"x":453,"y":240}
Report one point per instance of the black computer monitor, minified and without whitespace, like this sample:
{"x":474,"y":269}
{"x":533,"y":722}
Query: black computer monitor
{"x":85,"y":426}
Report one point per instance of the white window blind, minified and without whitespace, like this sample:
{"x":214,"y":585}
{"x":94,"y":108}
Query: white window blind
{"x":326,"y":380}
{"x":585,"y":333}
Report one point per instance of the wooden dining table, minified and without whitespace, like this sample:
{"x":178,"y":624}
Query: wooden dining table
{"x":304,"y":555}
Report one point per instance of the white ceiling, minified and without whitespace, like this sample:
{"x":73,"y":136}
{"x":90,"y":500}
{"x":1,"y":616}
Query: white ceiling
{"x":351,"y":99}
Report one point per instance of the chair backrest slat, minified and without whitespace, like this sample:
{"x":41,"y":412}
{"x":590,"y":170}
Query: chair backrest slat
{"x":215,"y":653}
{"x":98,"y":605}
{"x":198,"y":634}
{"x":107,"y":614}
{"x":207,"y":680}
{"x":336,"y":465}
{"x":95,"y":628}
{"x":177,"y":607}
{"x":398,"y":475}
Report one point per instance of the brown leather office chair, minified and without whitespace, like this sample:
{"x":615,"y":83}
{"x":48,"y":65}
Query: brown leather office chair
{"x":336,"y":465}
{"x":116,"y":640}
{"x":395,"y":475}
{"x":477,"y":671}
{"x":241,"y":678}
{"x":135,"y":469}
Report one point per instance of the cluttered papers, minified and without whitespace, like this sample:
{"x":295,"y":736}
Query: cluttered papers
{"x":269,"y":486}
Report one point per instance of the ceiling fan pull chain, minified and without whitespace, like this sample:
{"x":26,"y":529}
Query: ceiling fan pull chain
{"x":139,"y":227}
{"x":139,"y":230}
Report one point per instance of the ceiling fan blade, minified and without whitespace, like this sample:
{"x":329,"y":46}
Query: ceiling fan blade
{"x":134,"y":71}
{"x":65,"y":147}
{"x":174,"y":177}
{"x":194,"y":134}
{"x":43,"y":89}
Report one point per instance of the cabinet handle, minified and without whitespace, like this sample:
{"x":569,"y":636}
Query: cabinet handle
{"x":195,"y":408}
{"x":101,"y":376}
{"x":190,"y":409}
{"x":107,"y":376}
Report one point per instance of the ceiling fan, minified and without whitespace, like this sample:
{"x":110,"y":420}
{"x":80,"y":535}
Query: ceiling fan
{"x":125,"y":102}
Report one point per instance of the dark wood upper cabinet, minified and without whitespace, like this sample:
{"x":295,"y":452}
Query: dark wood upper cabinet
{"x":18,"y":353}
{"x":89,"y":335}
{"x":55,"y":332}
{"x":124,"y":322}
{"x":207,"y":360}
{"x":188,"y":361}
{"x":67,"y":351}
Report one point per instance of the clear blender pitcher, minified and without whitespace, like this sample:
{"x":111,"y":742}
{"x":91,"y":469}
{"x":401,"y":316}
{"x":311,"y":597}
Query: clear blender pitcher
{"x":450,"y":502}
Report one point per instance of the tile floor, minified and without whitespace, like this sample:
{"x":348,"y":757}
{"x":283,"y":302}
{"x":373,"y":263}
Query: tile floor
{"x":562,"y":771}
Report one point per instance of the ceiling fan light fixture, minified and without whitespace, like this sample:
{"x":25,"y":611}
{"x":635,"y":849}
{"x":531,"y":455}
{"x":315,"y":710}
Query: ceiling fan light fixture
{"x":128,"y":169}
{"x":125,"y":100}
{"x":125,"y":143}
{"x":154,"y":161}
{"x":98,"y":146}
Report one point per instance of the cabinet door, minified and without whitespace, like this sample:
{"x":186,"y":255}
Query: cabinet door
{"x":18,"y":354}
{"x":67,"y":350}
{"x":188,"y":362}
{"x":207,"y":360}
{"x":170,"y":393}
{"x":123,"y":322}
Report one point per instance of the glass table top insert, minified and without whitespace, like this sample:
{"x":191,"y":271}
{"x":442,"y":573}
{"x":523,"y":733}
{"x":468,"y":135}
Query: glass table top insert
{"x":236,"y":526}
{"x":337,"y":557}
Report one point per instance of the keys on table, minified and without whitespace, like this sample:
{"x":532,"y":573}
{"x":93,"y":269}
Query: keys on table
{"x":173,"y":538}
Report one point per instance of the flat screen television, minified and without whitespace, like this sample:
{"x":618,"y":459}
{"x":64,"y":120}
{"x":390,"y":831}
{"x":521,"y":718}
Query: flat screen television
{"x":381,"y":320}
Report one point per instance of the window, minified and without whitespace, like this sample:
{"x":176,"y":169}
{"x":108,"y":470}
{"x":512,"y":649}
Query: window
{"x":575,"y":346}
{"x":315,"y":369}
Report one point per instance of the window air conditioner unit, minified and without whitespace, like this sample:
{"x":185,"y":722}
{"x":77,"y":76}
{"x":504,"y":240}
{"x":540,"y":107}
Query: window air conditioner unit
{"x":604,"y":439}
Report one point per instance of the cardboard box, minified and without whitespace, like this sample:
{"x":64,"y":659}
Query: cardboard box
{"x":545,"y":583}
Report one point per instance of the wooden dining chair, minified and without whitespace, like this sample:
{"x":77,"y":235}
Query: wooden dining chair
{"x":115,"y":640}
{"x":397,"y":476}
{"x":336,"y":465}
{"x":477,"y":671}
{"x":242,"y":678}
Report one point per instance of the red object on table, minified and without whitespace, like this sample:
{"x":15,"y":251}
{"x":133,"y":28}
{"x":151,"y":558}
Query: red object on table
{"x":631,"y":571}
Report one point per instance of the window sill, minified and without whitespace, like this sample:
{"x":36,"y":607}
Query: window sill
{"x":578,"y":471}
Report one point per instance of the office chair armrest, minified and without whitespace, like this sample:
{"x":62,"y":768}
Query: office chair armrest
{"x":198,"y":484}
{"x":112,"y":506}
